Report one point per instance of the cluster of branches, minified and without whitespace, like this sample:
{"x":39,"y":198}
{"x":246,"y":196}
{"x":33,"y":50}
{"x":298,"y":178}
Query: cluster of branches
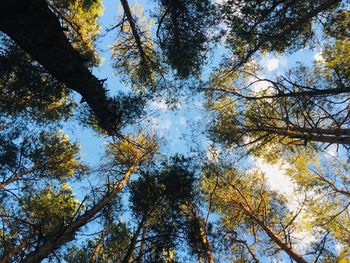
{"x":48,"y":52}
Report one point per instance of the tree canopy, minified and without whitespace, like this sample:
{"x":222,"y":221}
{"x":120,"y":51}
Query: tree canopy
{"x":261,"y":172}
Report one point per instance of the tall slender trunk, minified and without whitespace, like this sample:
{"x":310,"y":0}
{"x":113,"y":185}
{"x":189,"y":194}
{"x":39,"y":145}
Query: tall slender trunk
{"x":206,"y":244}
{"x":56,"y":240}
{"x":201,"y":233}
{"x":16,"y":176}
{"x":314,"y":135}
{"x":306,"y":93}
{"x":133,"y":243}
{"x":99,"y":244}
{"x":142,"y":246}
{"x":8,"y":257}
{"x":134,"y":31}
{"x":275,"y":237}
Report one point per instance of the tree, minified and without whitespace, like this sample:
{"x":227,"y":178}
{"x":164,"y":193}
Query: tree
{"x":306,"y":106}
{"x":23,"y":20}
{"x":134,"y":51}
{"x":247,"y":206}
{"x":125,"y":158}
{"x":183,"y":34}
{"x":326,"y":180}
{"x":164,"y":202}
{"x":138,"y":206}
{"x":46,"y":155}
{"x":272,"y":26}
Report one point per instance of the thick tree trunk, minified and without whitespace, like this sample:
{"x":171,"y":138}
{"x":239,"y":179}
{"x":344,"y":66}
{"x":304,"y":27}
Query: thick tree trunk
{"x":285,"y":247}
{"x":332,"y":136}
{"x":305,"y":93}
{"x":337,"y":136}
{"x":53,"y":242}
{"x":206,"y":244}
{"x":34,"y":27}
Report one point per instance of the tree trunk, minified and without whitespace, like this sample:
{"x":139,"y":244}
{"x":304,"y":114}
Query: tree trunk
{"x":36,"y":29}
{"x":201,"y":232}
{"x":275,"y":237}
{"x":142,"y":246}
{"x":8,"y":257}
{"x":134,"y":31}
{"x":332,"y":136}
{"x":305,"y":93}
{"x":133,"y":243}
{"x":56,"y":240}
{"x":16,"y":176}
{"x":99,"y":244}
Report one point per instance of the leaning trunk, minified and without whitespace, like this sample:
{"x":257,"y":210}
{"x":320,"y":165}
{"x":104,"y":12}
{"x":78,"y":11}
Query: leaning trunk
{"x":58,"y":239}
{"x":275,"y":237}
{"x":36,"y":29}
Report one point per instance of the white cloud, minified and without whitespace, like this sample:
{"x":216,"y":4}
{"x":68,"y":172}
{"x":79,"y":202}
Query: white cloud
{"x":331,"y":151}
{"x":213,"y":154}
{"x":257,"y":85}
{"x":159,"y":105}
{"x":319,"y":58}
{"x":272,"y":63}
{"x":276,"y":177}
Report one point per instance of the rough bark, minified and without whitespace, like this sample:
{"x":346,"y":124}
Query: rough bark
{"x":142,"y":246}
{"x":305,"y":93}
{"x":36,"y":29}
{"x":17,"y":176}
{"x":8,"y":257}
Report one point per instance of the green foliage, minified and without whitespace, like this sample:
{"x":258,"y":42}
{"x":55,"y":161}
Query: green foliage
{"x":81,"y":19}
{"x":245,"y":204}
{"x":336,"y":53}
{"x":286,"y":120}
{"x":49,"y":209}
{"x":183,"y":34}
{"x":27,"y":89}
{"x":131,"y":149}
{"x":159,"y":200}
{"x":45,"y":155}
{"x":273,"y":25}
{"x":269,"y":117}
{"x":60,"y":156}
{"x":135,"y":56}
{"x":318,"y":176}
{"x":114,"y":246}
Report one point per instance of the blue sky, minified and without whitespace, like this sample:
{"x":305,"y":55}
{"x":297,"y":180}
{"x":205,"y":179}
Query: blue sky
{"x":174,"y":127}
